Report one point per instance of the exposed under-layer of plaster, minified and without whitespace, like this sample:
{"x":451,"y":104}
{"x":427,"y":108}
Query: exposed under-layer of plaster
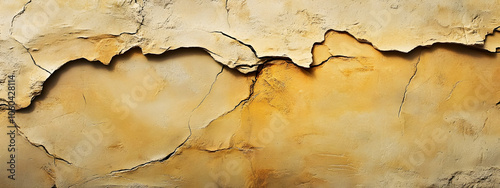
{"x":237,"y":34}
{"x":345,"y":93}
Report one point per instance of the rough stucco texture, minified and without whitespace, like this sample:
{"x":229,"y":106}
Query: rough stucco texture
{"x":199,"y":93}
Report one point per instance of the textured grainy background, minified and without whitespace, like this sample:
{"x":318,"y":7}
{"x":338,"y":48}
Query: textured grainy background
{"x":250,"y":93}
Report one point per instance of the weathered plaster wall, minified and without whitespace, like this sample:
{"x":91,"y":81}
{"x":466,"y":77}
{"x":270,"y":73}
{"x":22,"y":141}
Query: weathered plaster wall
{"x":251,"y":93}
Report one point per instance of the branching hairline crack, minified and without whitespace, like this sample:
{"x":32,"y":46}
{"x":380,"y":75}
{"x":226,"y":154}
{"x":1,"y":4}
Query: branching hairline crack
{"x":86,"y":181}
{"x":17,"y":15}
{"x":31,"y":56}
{"x":230,"y":148}
{"x":331,"y":57}
{"x":34,"y":62}
{"x":452,"y":89}
{"x":250,"y":95}
{"x":153,"y":161}
{"x":227,"y":9}
{"x":42,"y":146}
{"x":242,"y":102}
{"x":249,"y":98}
{"x":227,"y":14}
{"x":141,"y":23}
{"x":84,"y":99}
{"x":407,"y":85}
{"x":241,"y":42}
{"x":210,"y":90}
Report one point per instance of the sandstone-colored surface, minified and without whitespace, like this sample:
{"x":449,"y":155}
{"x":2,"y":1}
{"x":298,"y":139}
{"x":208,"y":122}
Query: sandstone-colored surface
{"x":33,"y":167}
{"x":485,"y":177}
{"x":124,"y":93}
{"x":136,"y":110}
{"x":238,"y":34}
{"x":29,"y":77}
{"x":343,"y":124}
{"x":493,"y":42}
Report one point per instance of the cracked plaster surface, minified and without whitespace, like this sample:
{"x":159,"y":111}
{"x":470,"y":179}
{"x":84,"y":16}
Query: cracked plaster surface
{"x":237,"y":34}
{"x":342,"y":124}
{"x":259,"y":83}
